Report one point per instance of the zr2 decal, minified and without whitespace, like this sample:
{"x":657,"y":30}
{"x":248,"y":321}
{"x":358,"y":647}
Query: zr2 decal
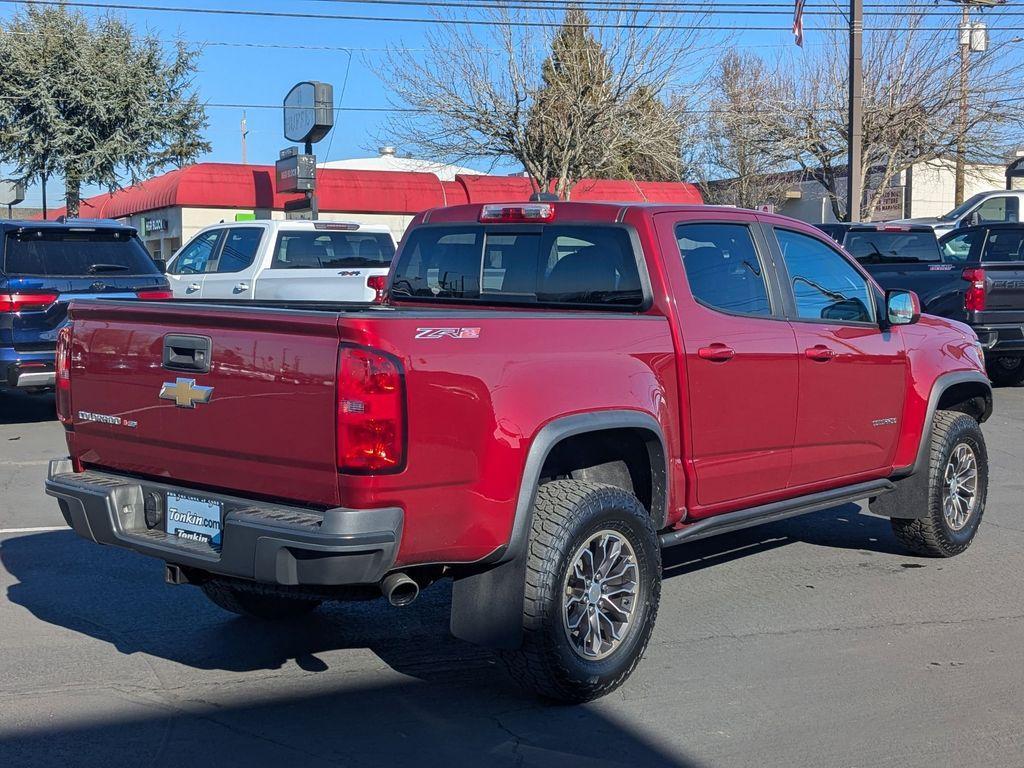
{"x":447,"y":333}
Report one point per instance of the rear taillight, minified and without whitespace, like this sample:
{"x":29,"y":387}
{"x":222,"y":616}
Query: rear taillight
{"x":155,"y":295}
{"x":26,"y":302}
{"x":379,"y":284}
{"x":63,"y":375}
{"x":974,"y":298}
{"x":371,"y":412}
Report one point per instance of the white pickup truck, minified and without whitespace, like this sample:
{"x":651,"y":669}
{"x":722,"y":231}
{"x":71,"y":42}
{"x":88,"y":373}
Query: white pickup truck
{"x":335,"y":261}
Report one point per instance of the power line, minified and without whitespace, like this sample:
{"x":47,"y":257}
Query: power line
{"x":660,"y":6}
{"x":416,"y":110}
{"x":459,"y":22}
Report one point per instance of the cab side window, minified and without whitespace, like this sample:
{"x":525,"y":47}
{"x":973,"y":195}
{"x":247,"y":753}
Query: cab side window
{"x":723,"y":269}
{"x":999,"y":209}
{"x":195,"y":258}
{"x":239,"y":250}
{"x":1004,"y":245}
{"x":825,"y":285}
{"x":963,"y":247}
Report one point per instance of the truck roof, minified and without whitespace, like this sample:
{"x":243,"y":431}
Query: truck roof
{"x":588,"y":211}
{"x":67,"y":224}
{"x":302,"y":225}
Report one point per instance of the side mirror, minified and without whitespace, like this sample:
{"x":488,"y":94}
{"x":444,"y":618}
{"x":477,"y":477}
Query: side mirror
{"x":902,"y":307}
{"x":161,"y":265}
{"x":974,"y":219}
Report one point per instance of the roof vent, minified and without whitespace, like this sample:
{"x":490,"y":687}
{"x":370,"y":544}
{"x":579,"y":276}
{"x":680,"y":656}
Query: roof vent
{"x":388,"y":151}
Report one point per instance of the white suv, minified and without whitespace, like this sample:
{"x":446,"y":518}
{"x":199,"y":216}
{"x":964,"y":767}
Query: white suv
{"x":284,"y":260}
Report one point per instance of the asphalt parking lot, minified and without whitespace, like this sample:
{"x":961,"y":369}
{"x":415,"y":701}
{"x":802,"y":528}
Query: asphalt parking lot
{"x":812,"y":642}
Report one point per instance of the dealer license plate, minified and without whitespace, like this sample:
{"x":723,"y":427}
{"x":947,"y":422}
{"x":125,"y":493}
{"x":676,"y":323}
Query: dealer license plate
{"x":195,"y":519}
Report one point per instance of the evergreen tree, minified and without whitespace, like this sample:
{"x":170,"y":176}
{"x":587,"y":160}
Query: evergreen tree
{"x":587,"y":121}
{"x":94,"y":103}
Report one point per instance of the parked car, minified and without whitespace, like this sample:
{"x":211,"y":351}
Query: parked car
{"x":555,"y":392}
{"x":976,"y":276}
{"x":43,"y":265}
{"x":992,"y":259}
{"x":284,"y":261}
{"x":996,"y":207}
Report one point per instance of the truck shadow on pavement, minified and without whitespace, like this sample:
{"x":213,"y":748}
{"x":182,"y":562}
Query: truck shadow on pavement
{"x":842,"y":527}
{"x":23,"y":408}
{"x":452,"y":705}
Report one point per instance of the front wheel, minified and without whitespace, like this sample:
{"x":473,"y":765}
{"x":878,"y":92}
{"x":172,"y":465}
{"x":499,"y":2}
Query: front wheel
{"x":1006,"y":371}
{"x":593,"y":582}
{"x":957,"y":489}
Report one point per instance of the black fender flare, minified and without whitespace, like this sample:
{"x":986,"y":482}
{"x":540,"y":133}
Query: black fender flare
{"x":487,"y":603}
{"x":943,"y":384}
{"x":910,"y":498}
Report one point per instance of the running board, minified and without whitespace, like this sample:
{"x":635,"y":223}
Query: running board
{"x":778,"y":510}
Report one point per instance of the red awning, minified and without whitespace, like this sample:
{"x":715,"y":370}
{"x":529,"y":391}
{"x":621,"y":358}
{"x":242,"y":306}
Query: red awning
{"x":249,"y":187}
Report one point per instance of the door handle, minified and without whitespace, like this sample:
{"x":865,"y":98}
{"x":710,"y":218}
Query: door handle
{"x":192,"y":288}
{"x":820,"y":353}
{"x":241,"y":288}
{"x":716,"y":353}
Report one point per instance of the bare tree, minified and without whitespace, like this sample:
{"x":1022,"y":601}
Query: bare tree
{"x":911,"y":103}
{"x":740,"y":160}
{"x":569,"y":96}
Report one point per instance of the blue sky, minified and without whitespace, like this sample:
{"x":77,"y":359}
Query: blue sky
{"x":259,"y":75}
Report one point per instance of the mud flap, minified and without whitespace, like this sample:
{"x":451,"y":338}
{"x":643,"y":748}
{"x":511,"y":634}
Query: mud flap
{"x":487,"y":607}
{"x":908,"y":502}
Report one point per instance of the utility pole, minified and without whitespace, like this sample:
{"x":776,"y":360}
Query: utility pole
{"x":854,"y":191}
{"x":961,"y":122}
{"x":245,"y":132}
{"x":969,"y":43}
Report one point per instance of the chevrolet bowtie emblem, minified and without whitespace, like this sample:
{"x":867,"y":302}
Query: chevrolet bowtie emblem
{"x":185,"y":393}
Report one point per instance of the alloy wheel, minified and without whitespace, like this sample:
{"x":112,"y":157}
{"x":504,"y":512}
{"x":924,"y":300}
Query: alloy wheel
{"x":601,"y":594}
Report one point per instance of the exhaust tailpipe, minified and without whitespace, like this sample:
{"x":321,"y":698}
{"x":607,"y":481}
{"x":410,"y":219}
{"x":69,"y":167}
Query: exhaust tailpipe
{"x":399,"y":589}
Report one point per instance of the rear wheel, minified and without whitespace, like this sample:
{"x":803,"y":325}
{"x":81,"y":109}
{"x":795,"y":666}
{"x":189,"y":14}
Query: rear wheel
{"x":1006,"y":371}
{"x":957,"y":489}
{"x":257,"y":603}
{"x":593,"y":582}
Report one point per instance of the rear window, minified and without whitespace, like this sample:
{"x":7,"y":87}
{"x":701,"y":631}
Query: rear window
{"x":1004,"y":245}
{"x":333,"y":250}
{"x":59,"y":252}
{"x":892,"y":247}
{"x":560,"y":265}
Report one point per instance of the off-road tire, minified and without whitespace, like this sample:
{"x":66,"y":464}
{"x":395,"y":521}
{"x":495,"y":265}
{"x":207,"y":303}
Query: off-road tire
{"x":257,"y":603}
{"x":931,"y":535}
{"x":566,"y":514}
{"x":1006,"y":371}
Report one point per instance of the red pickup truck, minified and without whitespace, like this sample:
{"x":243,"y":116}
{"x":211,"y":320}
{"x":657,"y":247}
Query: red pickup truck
{"x":552,"y":394}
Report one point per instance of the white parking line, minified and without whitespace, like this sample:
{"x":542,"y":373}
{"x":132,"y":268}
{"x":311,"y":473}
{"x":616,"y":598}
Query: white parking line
{"x":36,"y":463}
{"x":45,"y":529}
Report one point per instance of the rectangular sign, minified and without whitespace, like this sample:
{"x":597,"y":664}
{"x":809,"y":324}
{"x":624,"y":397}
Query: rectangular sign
{"x":295,"y":174}
{"x":195,"y":519}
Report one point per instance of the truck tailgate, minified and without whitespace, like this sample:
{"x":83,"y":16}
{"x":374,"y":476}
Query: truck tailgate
{"x":1005,"y":291}
{"x":268,"y":428}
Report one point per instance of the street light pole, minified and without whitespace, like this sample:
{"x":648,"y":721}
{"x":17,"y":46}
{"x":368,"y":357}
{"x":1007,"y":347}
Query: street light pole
{"x":854,"y":190}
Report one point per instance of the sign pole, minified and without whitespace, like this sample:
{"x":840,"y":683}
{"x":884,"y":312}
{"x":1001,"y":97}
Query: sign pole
{"x":314,"y":206}
{"x":854,"y":190}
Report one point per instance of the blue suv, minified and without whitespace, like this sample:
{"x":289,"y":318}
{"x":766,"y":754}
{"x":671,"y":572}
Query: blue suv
{"x":43,"y":265}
